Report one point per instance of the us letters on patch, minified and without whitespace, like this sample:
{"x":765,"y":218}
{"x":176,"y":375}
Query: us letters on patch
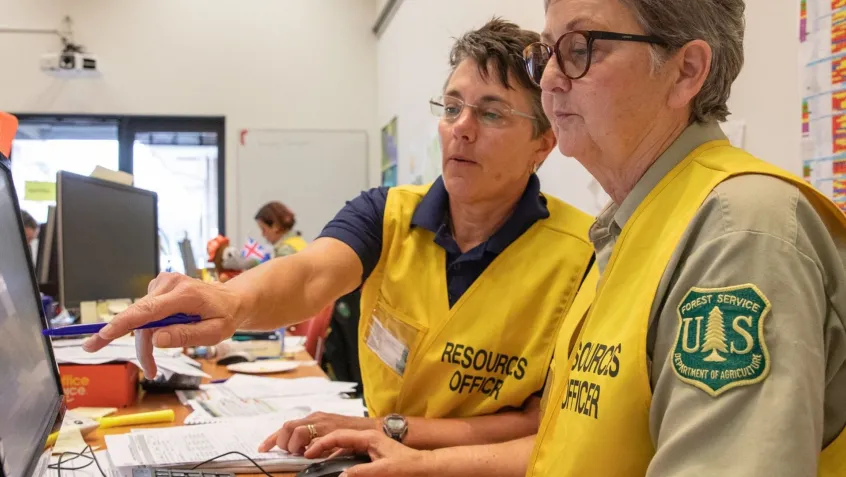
{"x":720,"y":343}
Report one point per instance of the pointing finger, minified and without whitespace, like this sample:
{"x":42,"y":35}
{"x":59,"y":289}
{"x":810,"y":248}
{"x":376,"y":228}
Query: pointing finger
{"x":144,"y":351}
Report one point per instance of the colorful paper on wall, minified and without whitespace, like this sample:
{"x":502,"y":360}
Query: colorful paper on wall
{"x":838,"y":32}
{"x":822,"y":33}
{"x":803,"y":20}
{"x":805,"y":118}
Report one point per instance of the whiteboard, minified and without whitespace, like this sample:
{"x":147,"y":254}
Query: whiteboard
{"x":314,"y":173}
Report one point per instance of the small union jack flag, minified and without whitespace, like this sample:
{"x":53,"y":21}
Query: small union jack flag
{"x":254,"y":251}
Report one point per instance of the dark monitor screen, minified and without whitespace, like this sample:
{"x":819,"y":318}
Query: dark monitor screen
{"x":47,"y":260}
{"x":108,"y":240}
{"x":30,"y":391}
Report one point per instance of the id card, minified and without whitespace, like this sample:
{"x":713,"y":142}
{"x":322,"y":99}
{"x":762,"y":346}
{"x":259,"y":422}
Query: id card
{"x":390,"y":339}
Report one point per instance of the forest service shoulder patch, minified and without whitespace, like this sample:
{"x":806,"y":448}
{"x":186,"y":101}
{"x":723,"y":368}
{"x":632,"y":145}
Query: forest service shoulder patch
{"x":720,"y":343}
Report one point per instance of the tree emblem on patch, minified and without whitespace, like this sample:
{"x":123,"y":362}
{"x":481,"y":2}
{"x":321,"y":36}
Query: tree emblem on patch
{"x":720,"y":343}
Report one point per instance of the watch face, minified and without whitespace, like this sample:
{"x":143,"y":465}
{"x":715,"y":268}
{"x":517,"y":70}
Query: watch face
{"x":395,"y":424}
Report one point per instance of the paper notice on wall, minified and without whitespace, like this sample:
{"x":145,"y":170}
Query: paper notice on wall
{"x":40,"y":191}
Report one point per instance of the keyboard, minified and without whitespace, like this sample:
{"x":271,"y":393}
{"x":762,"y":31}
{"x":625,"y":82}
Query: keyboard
{"x":151,"y":472}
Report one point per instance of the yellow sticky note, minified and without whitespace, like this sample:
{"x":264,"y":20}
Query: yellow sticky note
{"x":70,"y":440}
{"x":40,"y":191}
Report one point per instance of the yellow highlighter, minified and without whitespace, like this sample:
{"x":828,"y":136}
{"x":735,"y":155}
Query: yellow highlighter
{"x":155,"y":417}
{"x":51,"y":439}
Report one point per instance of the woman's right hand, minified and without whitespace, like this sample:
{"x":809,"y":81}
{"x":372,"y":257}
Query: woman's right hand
{"x":170,"y":293}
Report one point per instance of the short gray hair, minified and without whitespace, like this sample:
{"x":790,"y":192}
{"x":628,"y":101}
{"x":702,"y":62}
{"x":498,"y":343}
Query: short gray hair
{"x":720,"y":23}
{"x":499,"y":45}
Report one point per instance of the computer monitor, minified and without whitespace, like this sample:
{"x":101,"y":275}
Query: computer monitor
{"x":47,"y":258}
{"x":31,"y":397}
{"x":187,"y":252}
{"x":108,"y":240}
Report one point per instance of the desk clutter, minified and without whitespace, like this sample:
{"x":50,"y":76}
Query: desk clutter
{"x":228,"y":418}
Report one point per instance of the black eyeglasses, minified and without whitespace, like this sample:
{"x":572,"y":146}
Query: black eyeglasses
{"x":573,"y":52}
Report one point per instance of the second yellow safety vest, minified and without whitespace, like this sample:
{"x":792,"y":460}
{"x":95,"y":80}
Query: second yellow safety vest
{"x":296,"y":242}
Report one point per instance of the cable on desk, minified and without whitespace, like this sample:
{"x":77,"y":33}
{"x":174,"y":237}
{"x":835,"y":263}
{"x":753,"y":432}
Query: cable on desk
{"x":92,"y":459}
{"x":268,"y":474}
{"x":62,"y":461}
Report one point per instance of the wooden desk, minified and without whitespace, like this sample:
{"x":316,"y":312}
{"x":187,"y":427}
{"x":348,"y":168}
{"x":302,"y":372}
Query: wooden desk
{"x":157,"y":402}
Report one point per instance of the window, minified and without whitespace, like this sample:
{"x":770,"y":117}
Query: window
{"x":40,"y":150}
{"x":183,"y":172}
{"x":181,"y":159}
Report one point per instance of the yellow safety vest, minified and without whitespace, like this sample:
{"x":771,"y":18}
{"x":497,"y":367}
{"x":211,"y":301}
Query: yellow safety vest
{"x":491,"y":350}
{"x":296,"y":242}
{"x":596,"y":421}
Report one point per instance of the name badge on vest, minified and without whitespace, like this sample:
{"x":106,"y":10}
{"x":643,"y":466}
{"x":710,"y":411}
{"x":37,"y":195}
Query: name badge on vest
{"x":389,"y":338}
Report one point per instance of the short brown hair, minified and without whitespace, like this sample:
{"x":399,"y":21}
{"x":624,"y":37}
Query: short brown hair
{"x":275,"y":213}
{"x":499,"y":45}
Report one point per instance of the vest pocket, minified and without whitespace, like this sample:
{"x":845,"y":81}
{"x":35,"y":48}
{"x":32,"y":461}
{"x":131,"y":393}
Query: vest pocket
{"x":392,"y":337}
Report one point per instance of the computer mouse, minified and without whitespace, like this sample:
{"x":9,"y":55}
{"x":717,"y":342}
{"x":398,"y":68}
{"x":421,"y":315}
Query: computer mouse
{"x":234,"y":358}
{"x":333,"y":467}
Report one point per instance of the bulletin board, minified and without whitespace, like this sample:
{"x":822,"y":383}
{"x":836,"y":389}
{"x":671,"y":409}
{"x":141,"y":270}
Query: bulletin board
{"x":822,"y":36}
{"x":312,"y":172}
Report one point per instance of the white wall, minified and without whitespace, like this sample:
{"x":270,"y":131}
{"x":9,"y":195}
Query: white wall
{"x":412,"y":65}
{"x":767,"y":94}
{"x":299,"y":64}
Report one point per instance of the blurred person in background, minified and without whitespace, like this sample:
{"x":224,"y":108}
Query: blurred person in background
{"x":277,"y":223}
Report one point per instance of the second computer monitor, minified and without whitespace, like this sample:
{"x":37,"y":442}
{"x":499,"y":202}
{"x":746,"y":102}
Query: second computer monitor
{"x":47,"y":258}
{"x":108,"y":240}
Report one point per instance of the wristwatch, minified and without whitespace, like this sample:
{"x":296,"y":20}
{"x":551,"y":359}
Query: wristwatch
{"x":395,"y":426}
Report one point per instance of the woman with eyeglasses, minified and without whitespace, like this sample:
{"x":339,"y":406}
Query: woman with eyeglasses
{"x":465,"y":282}
{"x":711,"y":336}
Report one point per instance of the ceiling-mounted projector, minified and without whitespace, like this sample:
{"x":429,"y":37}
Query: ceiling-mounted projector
{"x":70,"y":64}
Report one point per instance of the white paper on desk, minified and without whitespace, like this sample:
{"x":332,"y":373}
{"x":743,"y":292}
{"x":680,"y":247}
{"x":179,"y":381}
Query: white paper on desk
{"x":178,"y":446}
{"x":294,"y":341}
{"x":328,"y":403}
{"x":257,"y":387}
{"x":218,"y":408}
{"x":206,"y":392}
{"x":212,"y":412}
{"x":177,"y":365}
{"x":77,"y":342}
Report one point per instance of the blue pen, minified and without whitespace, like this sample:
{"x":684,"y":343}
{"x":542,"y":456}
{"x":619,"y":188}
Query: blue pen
{"x":94,"y":328}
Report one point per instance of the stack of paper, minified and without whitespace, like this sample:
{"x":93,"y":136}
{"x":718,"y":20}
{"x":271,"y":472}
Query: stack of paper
{"x":237,"y":398}
{"x":257,"y":387}
{"x":222,"y":410}
{"x":169,"y":361}
{"x":185,"y":447}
